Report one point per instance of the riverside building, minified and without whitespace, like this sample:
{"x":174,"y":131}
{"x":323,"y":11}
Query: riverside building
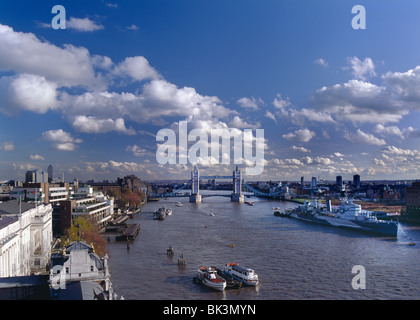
{"x":97,"y":208}
{"x":25,"y":238}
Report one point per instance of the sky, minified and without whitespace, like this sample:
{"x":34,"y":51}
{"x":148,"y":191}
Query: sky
{"x":91,"y":98}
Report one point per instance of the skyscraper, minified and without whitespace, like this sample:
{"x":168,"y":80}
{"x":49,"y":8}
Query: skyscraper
{"x":313,"y":183}
{"x":339,"y":181}
{"x":50,"y":171}
{"x":356,"y":180}
{"x":30,"y":176}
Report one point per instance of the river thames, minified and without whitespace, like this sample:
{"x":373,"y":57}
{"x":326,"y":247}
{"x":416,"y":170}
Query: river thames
{"x":293,"y":259}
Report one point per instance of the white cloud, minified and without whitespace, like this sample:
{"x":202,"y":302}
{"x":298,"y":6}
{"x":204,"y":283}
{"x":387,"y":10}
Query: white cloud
{"x":358,"y":101}
{"x":299,"y":117}
{"x":395,"y":151}
{"x":66,"y":66}
{"x":111,"y":5}
{"x":410,"y":132}
{"x":321,"y":62}
{"x":300,"y":149}
{"x":396,"y":161}
{"x":316,"y":161}
{"x":281,"y":103}
{"x":38,"y":84}
{"x":92,"y":125}
{"x":162,"y":99}
{"x":338,"y":154}
{"x":138,"y":151}
{"x":237,"y":122}
{"x":27,"y":92}
{"x":362,"y":69}
{"x":405,"y":85}
{"x":391,"y":130}
{"x":157,"y":100}
{"x":7,"y":146}
{"x":295,"y":115}
{"x":83,"y":25}
{"x":36,"y":157}
{"x":132,"y":27}
{"x":250,"y":103}
{"x":365,"y":138}
{"x":61,"y":140}
{"x":271,"y":116}
{"x":301,"y":135}
{"x":138,"y":68}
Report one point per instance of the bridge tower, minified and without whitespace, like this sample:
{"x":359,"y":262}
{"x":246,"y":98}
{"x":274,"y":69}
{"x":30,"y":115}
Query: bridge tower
{"x":195,"y":186}
{"x":237,"y":195}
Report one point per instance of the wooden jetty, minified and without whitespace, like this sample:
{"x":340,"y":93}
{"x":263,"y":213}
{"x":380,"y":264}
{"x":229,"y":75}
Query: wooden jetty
{"x":130,"y":233}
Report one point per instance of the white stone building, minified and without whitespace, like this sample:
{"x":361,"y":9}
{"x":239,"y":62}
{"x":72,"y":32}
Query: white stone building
{"x":79,"y":264}
{"x":25,"y":238}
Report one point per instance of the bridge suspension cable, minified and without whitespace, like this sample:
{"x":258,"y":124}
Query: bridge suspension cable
{"x":260,"y":193}
{"x":169,"y":194}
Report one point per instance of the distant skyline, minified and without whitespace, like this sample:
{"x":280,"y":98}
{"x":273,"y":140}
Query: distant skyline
{"x":90,"y":99}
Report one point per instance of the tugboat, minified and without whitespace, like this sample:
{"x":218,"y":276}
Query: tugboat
{"x":245,"y":275}
{"x":209,"y":277}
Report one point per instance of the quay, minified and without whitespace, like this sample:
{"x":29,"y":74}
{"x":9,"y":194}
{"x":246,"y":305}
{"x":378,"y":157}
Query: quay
{"x":129,"y":234}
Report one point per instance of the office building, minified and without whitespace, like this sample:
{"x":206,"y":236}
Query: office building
{"x":25,"y":238}
{"x":339,"y":181}
{"x":356,"y":180}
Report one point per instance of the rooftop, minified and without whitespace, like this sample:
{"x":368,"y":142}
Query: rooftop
{"x":5,"y":221}
{"x":12,"y":207}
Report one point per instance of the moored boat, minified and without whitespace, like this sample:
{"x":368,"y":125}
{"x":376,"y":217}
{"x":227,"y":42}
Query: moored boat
{"x":347,"y":215}
{"x":245,"y":275}
{"x":159,"y":214}
{"x":285,"y":213}
{"x":209,"y":277}
{"x":231,"y":283}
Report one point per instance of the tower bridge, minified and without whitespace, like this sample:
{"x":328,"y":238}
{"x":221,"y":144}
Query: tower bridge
{"x":195,"y":196}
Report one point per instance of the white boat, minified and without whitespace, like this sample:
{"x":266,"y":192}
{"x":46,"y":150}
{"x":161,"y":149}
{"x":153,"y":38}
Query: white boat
{"x":179,"y":204}
{"x":168,"y":212}
{"x":159,"y":214}
{"x":245,"y":275}
{"x":209,"y":277}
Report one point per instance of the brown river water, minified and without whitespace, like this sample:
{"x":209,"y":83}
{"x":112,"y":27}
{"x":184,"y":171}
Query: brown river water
{"x":293,"y":259}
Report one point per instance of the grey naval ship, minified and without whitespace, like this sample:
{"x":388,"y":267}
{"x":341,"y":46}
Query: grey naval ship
{"x":347,"y":215}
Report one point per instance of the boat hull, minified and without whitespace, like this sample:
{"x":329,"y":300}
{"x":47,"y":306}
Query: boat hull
{"x":219,"y":286}
{"x":387,"y":228}
{"x":209,"y":277}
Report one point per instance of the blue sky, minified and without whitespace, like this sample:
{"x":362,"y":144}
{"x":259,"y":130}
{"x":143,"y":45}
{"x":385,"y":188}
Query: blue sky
{"x":90,"y":99}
